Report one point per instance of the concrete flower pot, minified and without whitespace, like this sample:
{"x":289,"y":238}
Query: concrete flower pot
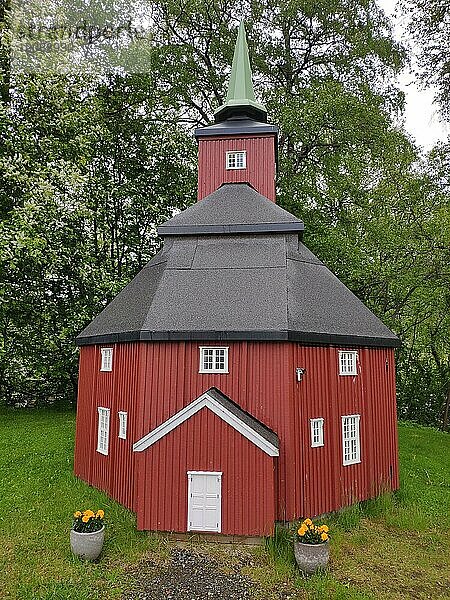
{"x":87,"y":545}
{"x":311,"y":557}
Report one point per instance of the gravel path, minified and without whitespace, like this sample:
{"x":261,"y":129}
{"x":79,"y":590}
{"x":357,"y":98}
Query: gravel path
{"x":188,"y":575}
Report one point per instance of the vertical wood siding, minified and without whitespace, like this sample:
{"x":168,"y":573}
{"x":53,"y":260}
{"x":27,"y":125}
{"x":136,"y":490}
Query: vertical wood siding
{"x":117,"y":390}
{"x":260,"y":171}
{"x":248,"y":500}
{"x":154,"y":380}
{"x":328,"y":484}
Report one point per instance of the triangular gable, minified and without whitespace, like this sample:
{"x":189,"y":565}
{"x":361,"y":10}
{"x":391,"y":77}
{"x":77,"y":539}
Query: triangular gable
{"x":220,"y":405}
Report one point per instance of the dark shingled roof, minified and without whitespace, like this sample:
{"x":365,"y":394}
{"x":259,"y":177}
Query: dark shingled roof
{"x":233,"y":208}
{"x":236,"y":126}
{"x":261,"y":285}
{"x":245,"y":417}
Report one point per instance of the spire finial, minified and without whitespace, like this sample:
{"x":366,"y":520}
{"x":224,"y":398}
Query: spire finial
{"x":241,"y":97}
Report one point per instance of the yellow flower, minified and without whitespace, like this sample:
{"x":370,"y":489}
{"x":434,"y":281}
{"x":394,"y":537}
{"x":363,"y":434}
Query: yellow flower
{"x":324,"y":537}
{"x":307,"y":522}
{"x":100,"y":513}
{"x":302,"y":530}
{"x":325,"y":528}
{"x":85,"y":519}
{"x":89,"y":513}
{"x":77,"y":514}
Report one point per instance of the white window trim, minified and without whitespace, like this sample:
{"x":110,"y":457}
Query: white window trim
{"x":201,"y":365}
{"x":357,"y":438}
{"x":244,"y":161}
{"x":106,"y":411}
{"x":188,"y":411}
{"x":106,"y":364}
{"x":320,"y":442}
{"x":123,"y":418}
{"x":355,"y":363}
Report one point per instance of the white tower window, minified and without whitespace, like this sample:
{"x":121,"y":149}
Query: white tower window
{"x":236,"y":160}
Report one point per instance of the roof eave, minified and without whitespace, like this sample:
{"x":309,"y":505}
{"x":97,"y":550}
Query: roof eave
{"x":321,"y":339}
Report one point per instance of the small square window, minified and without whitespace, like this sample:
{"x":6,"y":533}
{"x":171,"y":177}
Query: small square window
{"x":103,"y":430}
{"x":122,"y":425}
{"x":316,"y":433}
{"x":350,"y":440}
{"x":348,"y":362}
{"x":107,"y":354}
{"x":236,"y":160}
{"x":213,"y":360}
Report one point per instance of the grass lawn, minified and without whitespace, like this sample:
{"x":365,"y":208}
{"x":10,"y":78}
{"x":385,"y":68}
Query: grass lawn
{"x":397,"y":546}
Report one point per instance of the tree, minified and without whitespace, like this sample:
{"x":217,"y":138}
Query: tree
{"x":429,"y":26}
{"x":93,"y":175}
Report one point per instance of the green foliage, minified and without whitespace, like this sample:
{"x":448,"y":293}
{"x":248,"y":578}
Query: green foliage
{"x":429,"y":26}
{"x":88,"y":176}
{"x":90,"y":166}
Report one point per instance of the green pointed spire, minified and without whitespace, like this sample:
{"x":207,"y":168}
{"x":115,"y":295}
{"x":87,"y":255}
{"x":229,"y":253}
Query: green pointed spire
{"x":241,"y":97}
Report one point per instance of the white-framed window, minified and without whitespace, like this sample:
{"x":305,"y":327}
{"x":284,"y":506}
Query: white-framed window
{"x":213,"y":360}
{"x":236,"y":160}
{"x":107,"y":354}
{"x":122,"y":425}
{"x":316,"y":433}
{"x":348,"y":360}
{"x":351,"y":446}
{"x":103,"y":430}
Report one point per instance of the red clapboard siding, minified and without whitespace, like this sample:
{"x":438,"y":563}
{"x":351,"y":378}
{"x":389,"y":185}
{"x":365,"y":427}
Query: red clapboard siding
{"x":248,"y":497}
{"x":260,"y":171}
{"x":154,"y":380}
{"x":118,"y":390}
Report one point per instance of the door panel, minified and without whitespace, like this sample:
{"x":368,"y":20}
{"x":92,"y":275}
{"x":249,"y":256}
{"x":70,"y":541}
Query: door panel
{"x":204,"y":501}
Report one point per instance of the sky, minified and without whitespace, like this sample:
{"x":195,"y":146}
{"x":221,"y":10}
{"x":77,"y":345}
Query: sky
{"x":421,"y":115}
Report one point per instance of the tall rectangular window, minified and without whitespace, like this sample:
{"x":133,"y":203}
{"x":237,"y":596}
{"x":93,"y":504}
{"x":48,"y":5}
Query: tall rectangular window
{"x":316,"y":433}
{"x":213,"y":360}
{"x":103,"y":430}
{"x":350,"y":440}
{"x":236,"y":160}
{"x":122,"y":425}
{"x":348,"y":362}
{"x":107,"y":354}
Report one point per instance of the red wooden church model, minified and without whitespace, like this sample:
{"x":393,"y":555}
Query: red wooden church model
{"x":236,"y":381}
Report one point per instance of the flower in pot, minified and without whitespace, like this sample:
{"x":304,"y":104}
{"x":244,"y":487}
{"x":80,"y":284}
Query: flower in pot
{"x":87,"y":534}
{"x":311,"y":546}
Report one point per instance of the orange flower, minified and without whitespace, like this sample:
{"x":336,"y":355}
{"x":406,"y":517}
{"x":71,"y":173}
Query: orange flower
{"x":85,"y":519}
{"x":324,"y":528}
{"x":77,"y":514}
{"x":89,"y":513}
{"x":100,"y":513}
{"x":324,"y":537}
{"x":302,"y":530}
{"x":307,"y":522}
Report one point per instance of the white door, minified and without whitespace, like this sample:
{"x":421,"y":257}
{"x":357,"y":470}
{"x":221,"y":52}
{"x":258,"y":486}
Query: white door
{"x":204,"y":501}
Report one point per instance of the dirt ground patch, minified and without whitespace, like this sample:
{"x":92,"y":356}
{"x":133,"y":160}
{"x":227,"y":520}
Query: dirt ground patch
{"x":188,"y":575}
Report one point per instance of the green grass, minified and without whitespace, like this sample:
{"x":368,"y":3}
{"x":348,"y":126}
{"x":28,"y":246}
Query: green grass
{"x":396,"y":546}
{"x":38,"y":494}
{"x":392,"y":547}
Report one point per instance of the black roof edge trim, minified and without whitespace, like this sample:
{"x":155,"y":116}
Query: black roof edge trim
{"x":237,"y":129}
{"x":227,"y":229}
{"x":263,"y":336}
